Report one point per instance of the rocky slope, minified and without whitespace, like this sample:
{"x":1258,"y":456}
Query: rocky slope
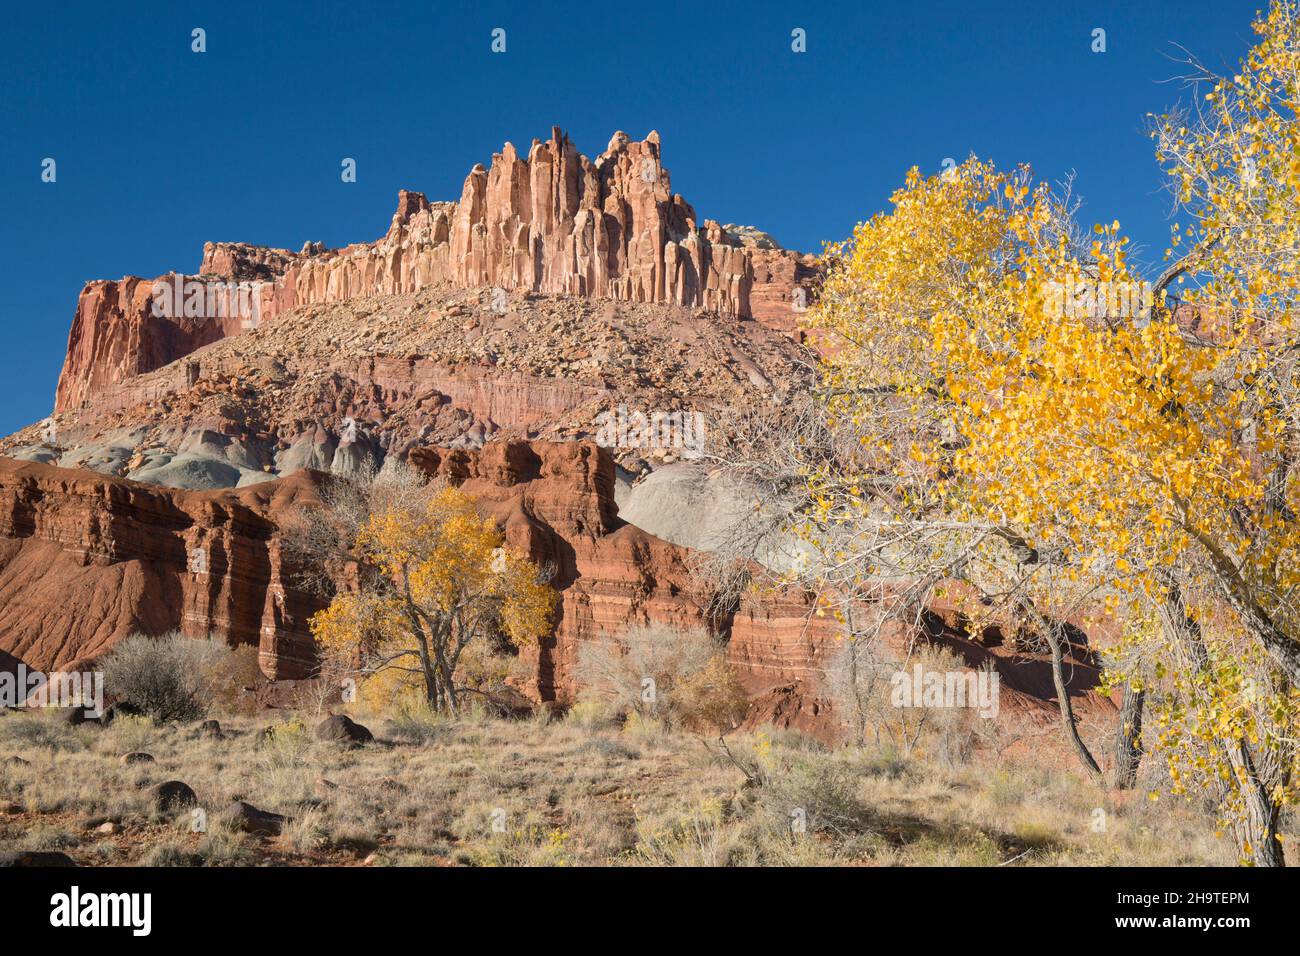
{"x":332,"y":386}
{"x":552,"y":222}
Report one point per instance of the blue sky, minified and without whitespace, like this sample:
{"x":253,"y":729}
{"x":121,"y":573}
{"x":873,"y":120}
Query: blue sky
{"x":160,"y":149}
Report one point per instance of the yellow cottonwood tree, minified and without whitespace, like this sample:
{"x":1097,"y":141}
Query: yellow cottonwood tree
{"x":443,"y":578}
{"x":1031,"y":417}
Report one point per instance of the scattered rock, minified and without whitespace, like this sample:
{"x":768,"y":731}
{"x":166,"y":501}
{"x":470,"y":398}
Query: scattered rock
{"x":324,"y":788}
{"x":108,"y":828}
{"x":136,"y":756}
{"x":344,"y":729}
{"x":211,"y":729}
{"x":17,"y":762}
{"x":247,"y":818}
{"x":173,"y":795}
{"x":25,"y":858}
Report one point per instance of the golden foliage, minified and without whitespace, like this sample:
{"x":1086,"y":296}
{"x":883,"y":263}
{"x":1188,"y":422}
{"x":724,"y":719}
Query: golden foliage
{"x":447,"y":578}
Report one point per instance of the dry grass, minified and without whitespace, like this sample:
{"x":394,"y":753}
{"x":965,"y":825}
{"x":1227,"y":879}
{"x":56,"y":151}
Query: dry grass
{"x":580,"y":791}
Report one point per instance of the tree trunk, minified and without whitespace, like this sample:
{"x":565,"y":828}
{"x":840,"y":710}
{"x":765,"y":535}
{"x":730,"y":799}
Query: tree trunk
{"x":1052,"y":632}
{"x":1256,"y":830}
{"x":1067,"y":709}
{"x":1128,"y":739}
{"x":432,"y":692}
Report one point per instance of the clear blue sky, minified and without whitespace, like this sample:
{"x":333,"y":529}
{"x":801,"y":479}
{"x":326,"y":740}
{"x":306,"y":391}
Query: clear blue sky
{"x":160,"y":149}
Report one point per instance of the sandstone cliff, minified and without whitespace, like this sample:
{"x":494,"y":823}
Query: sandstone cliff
{"x":552,"y":222}
{"x":86,"y":560}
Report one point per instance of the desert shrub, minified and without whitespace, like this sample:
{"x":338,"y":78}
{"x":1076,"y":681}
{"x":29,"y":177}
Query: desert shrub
{"x":812,"y":793}
{"x":175,"y":677}
{"x":132,"y":733}
{"x":489,"y":667}
{"x":643,"y":729}
{"x":588,"y":714}
{"x":712,"y":700}
{"x":662,"y":674}
{"x":308,"y":831}
{"x":284,"y":745}
{"x":609,"y":748}
{"x":229,"y":675}
{"x":862,"y":683}
{"x":697,"y":836}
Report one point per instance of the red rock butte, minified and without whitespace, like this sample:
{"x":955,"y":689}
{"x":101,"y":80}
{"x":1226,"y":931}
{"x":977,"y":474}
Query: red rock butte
{"x":555,"y":222}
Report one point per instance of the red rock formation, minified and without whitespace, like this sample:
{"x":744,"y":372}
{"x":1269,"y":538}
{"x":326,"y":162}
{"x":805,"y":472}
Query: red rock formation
{"x":554,"y":222}
{"x":86,"y":560}
{"x":116,"y":335}
{"x":556,"y":504}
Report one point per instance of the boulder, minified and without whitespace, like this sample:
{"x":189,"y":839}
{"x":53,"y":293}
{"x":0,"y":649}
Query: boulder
{"x":343,"y":729}
{"x":249,"y":819}
{"x":172,"y":795}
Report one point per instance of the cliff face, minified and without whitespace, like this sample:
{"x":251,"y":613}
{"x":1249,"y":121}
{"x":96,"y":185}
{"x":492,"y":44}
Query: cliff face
{"x":86,"y":560}
{"x":556,"y":504}
{"x":552,"y":222}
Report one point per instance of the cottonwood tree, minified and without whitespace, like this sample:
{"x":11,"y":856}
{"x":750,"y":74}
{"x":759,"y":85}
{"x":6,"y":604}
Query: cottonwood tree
{"x":427,"y":576}
{"x":1067,"y":453}
{"x":870,"y":476}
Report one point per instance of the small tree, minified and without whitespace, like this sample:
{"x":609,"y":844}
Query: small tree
{"x":432,"y":576}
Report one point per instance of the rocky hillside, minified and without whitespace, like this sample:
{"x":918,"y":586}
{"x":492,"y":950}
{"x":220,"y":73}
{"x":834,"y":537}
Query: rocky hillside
{"x":330,"y":386}
{"x":556,"y":288}
{"x":554,"y":222}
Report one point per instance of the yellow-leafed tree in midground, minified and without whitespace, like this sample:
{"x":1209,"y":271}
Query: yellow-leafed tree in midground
{"x":435,"y":576}
{"x":1031,"y":418}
